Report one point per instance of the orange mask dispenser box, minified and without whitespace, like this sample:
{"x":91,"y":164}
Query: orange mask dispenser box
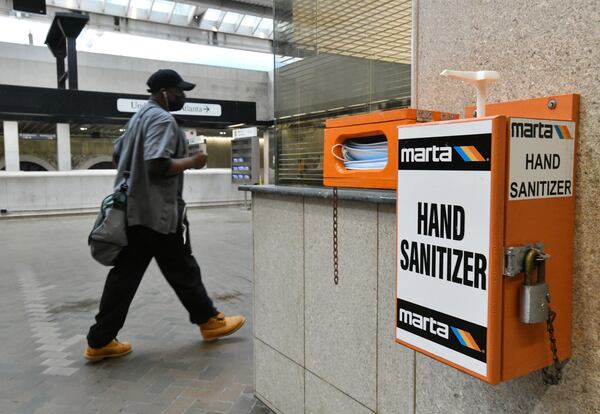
{"x":481,"y":202}
{"x":372,"y":127}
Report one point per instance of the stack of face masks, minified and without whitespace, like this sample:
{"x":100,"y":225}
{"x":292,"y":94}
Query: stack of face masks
{"x":363,"y":156}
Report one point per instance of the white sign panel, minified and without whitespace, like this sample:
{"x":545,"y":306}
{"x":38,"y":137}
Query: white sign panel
{"x":443,"y":230}
{"x":245,"y":132}
{"x":190,"y":108}
{"x":541,"y":158}
{"x":191,"y":136}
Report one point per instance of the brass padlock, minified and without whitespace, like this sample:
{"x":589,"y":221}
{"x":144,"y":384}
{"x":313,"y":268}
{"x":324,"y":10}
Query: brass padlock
{"x":534,"y":297}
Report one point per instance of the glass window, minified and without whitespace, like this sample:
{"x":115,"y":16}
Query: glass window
{"x":265,"y":28}
{"x":162,"y":6}
{"x":116,"y":7}
{"x":212,"y":15}
{"x":139,"y":9}
{"x":140,"y":4}
{"x":249,"y":21}
{"x":92,"y":5}
{"x":182,"y":9}
{"x":161,"y":10}
{"x":266,"y":25}
{"x":231,"y":18}
{"x":67,"y":4}
{"x":333,"y":58}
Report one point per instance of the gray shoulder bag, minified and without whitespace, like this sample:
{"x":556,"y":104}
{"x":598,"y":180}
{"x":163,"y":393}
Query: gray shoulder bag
{"x":109,"y":234}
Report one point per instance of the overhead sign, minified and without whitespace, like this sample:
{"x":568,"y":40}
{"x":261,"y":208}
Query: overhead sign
{"x":443,"y":240}
{"x":190,"y":108}
{"x":541,"y":158}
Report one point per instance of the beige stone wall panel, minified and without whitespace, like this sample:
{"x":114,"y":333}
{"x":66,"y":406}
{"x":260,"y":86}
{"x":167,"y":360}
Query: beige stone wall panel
{"x":341,"y":321}
{"x":279,"y":274}
{"x":539,"y":48}
{"x":278,"y":381}
{"x":322,"y":397}
{"x":395,"y":363}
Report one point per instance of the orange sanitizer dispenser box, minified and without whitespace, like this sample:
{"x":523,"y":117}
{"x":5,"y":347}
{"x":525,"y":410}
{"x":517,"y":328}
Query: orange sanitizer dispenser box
{"x":361,"y":150}
{"x":485,"y":222}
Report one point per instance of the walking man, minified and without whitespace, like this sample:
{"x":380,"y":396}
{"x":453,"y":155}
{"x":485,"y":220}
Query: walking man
{"x":153,"y":150}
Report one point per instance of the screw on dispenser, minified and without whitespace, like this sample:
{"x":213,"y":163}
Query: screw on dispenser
{"x":479,"y":79}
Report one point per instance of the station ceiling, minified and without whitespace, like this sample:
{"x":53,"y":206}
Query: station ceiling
{"x":252,"y":18}
{"x":368,"y":29}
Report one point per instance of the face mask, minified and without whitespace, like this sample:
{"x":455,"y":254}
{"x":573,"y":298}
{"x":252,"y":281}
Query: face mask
{"x":361,"y":156}
{"x":177,"y":104}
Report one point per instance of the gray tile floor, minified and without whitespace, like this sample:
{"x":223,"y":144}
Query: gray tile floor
{"x":49,"y":293}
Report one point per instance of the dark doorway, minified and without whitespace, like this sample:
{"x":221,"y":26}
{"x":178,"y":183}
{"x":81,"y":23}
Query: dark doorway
{"x":104,"y":165}
{"x":29,"y":166}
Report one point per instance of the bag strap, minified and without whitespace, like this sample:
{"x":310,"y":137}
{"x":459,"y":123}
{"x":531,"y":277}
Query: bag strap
{"x":126,"y":173}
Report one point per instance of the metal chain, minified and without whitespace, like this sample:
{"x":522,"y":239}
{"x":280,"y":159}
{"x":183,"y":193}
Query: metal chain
{"x":335,"y":236}
{"x":552,"y":374}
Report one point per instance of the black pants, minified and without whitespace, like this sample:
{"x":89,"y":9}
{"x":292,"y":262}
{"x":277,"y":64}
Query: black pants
{"x":175,"y":260}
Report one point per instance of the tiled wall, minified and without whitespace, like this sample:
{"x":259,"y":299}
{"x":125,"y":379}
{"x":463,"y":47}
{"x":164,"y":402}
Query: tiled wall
{"x":322,"y":348}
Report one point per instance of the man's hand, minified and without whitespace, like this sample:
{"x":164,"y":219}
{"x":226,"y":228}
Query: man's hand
{"x":199,"y":159}
{"x":178,"y":165}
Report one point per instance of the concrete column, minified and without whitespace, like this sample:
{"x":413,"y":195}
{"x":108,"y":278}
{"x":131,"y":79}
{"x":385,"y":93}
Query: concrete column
{"x":266,"y":157}
{"x":63,"y":147}
{"x":11,"y":145}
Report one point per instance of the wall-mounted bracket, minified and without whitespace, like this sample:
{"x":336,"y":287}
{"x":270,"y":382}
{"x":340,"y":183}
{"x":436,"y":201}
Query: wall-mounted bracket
{"x":514,"y":257}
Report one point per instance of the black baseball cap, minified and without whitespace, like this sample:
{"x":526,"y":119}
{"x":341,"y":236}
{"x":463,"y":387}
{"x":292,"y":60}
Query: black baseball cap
{"x":167,"y":78}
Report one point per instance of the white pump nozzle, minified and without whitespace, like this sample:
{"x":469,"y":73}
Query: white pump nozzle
{"x":479,"y":79}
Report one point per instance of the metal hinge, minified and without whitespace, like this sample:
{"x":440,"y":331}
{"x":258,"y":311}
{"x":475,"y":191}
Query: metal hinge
{"x":514,"y":257}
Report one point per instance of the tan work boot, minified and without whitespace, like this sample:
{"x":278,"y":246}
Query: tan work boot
{"x":219,"y":326}
{"x":113,"y":350}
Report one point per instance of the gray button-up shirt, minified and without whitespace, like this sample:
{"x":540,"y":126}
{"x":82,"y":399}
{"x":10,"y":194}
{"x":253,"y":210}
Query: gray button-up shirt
{"x":152,"y":133}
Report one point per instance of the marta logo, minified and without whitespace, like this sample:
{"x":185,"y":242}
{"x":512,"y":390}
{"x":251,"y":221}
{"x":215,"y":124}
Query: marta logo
{"x":426,"y":154}
{"x":430,"y":325}
{"x":423,"y":323}
{"x":465,"y":338}
{"x":539,"y":130}
{"x":467,"y":153}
